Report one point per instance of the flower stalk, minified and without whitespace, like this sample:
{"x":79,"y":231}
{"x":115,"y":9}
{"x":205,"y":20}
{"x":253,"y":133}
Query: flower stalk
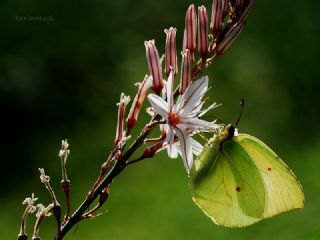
{"x":41,"y":214}
{"x":56,"y":207}
{"x":65,"y":182}
{"x":30,"y":208}
{"x":177,"y":112}
{"x":120,"y":133}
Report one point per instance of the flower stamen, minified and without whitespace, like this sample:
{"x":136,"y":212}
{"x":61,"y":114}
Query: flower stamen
{"x":174,"y":119}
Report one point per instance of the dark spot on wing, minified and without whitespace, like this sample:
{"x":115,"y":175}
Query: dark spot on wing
{"x":269,"y":168}
{"x":238,"y":189}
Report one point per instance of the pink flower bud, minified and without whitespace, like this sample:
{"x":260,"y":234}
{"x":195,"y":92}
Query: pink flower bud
{"x":154,"y":66}
{"x":219,"y":11}
{"x":240,"y":9}
{"x":202,"y":31}
{"x":229,"y":37}
{"x":190,"y":29}
{"x":235,"y":5}
{"x":246,"y":10}
{"x":171,"y":50}
{"x":149,"y":152}
{"x":124,"y":100}
{"x":186,"y":71}
{"x":239,"y":4}
{"x":132,"y":118}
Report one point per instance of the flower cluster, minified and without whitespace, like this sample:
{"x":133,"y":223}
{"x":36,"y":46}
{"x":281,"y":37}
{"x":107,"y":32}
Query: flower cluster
{"x":181,"y":120}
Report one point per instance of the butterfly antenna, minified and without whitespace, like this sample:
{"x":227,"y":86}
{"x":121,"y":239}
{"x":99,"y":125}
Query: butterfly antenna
{"x":241,"y":111}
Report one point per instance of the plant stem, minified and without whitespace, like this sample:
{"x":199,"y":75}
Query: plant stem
{"x":118,"y":168}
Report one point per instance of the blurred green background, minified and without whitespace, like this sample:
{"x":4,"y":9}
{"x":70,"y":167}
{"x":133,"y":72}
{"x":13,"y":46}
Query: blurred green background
{"x":62,"y":79}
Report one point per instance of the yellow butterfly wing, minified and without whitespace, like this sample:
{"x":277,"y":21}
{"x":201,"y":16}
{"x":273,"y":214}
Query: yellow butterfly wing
{"x":238,"y":181}
{"x":283,"y":191}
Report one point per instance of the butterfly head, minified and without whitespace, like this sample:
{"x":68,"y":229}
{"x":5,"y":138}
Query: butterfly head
{"x":231,"y":131}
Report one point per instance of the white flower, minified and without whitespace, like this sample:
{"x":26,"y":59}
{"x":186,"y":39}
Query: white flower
{"x":30,"y":203}
{"x":176,"y":148}
{"x":182,"y":119}
{"x":44,"y":211}
{"x":64,"y":151}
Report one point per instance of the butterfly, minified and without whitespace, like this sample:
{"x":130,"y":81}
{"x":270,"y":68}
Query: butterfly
{"x":237,"y":180}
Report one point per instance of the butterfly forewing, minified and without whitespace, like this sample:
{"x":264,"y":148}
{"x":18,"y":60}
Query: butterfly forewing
{"x":250,"y":187}
{"x":216,"y":188}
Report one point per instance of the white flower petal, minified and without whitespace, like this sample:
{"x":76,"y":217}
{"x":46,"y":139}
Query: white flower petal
{"x":164,"y":90}
{"x":204,"y":111}
{"x":172,"y":148}
{"x":196,"y":147}
{"x":192,"y":97}
{"x":176,"y":106}
{"x":159,"y":105}
{"x":186,"y":148}
{"x":170,"y":90}
{"x":198,"y":124}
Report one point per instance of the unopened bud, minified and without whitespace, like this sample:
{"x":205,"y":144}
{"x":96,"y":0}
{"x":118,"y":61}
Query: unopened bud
{"x":104,"y":195}
{"x":149,"y":152}
{"x":237,"y":9}
{"x":190,"y":29}
{"x":246,"y":10}
{"x":171,"y":50}
{"x":154,"y":66}
{"x":229,"y":37}
{"x":132,"y":118}
{"x":41,"y":214}
{"x":219,"y":11}
{"x":186,"y":71}
{"x":124,"y":100}
{"x":30,"y":208}
{"x":202,"y":31}
{"x":239,"y":4}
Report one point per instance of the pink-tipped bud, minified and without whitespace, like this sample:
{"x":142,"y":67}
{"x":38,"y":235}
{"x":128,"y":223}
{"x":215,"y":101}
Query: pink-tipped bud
{"x":124,"y":100}
{"x":229,"y":37}
{"x":202,"y":31}
{"x":236,"y":4}
{"x":154,"y":66}
{"x":190,"y":29}
{"x":149,"y":152}
{"x":219,"y":11}
{"x":246,"y":10}
{"x":186,"y":71}
{"x":132,"y":118}
{"x":240,"y":9}
{"x":171,"y":50}
{"x":239,"y":4}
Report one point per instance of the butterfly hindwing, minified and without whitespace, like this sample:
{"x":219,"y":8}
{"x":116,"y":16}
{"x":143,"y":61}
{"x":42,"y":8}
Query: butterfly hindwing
{"x":282,"y":188}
